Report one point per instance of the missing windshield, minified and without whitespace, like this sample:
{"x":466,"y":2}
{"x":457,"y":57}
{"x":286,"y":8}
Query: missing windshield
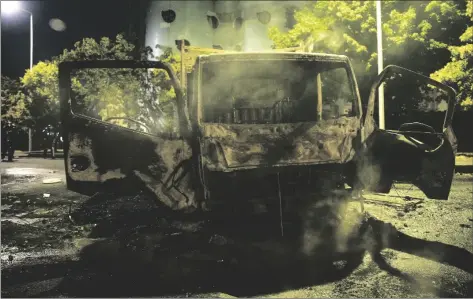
{"x":135,"y":98}
{"x":275,"y":91}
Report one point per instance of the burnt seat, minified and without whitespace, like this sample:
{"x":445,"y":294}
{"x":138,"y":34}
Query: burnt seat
{"x":281,"y":112}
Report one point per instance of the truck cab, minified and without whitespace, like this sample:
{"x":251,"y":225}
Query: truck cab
{"x":270,"y":129}
{"x":268,"y":123}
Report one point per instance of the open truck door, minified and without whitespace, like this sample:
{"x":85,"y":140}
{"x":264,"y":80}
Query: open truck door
{"x":410,"y":150}
{"x":105,"y":156}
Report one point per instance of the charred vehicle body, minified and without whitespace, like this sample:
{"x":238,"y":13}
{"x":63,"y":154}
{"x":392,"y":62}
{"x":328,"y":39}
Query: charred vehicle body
{"x":256,"y":129}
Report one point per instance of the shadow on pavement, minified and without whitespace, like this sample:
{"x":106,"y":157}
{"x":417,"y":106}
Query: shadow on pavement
{"x":387,"y":236}
{"x":145,"y":253}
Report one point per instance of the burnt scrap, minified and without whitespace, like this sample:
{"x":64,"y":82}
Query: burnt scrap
{"x":268,"y":130}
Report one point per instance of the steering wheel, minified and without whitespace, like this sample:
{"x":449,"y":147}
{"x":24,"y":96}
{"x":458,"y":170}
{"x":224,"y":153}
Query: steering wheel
{"x":420,"y":127}
{"x":129,"y":119}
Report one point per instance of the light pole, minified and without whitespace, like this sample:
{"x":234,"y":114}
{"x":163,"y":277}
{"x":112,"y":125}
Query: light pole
{"x":379,"y":32}
{"x":12,"y":7}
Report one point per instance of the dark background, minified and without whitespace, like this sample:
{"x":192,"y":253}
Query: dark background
{"x":83,"y":19}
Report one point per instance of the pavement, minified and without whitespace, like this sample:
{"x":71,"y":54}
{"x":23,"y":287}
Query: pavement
{"x":56,"y":243}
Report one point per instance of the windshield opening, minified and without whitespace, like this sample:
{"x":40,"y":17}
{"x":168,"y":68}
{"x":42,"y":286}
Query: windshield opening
{"x":275,"y":91}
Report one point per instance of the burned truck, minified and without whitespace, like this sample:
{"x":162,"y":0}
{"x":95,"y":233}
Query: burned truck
{"x":252,"y":130}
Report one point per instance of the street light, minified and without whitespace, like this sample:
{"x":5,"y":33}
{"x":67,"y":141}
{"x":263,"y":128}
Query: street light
{"x":13,"y":7}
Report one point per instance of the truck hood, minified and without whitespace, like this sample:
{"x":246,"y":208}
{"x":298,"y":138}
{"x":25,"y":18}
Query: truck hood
{"x":230,"y":147}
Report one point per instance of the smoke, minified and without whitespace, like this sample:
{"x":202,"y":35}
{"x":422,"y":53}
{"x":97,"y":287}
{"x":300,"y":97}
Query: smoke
{"x":271,"y":86}
{"x":248,"y":84}
{"x":331,"y":225}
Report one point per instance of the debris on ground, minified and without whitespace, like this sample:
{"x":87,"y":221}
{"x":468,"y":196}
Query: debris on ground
{"x":5,"y":207}
{"x":52,"y":181}
{"x":17,"y":220}
{"x":22,"y":214}
{"x":218,"y":240}
{"x":42,"y":211}
{"x":404,"y":205}
{"x":46,"y":195}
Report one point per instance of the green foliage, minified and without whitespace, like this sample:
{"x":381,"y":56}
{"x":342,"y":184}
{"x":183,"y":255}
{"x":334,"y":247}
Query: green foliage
{"x":41,"y":82}
{"x":102,"y":93}
{"x":459,"y":71}
{"x":413,"y":33}
{"x":13,"y":101}
{"x":174,"y":60}
{"x":104,"y":49}
{"x":41,"y":88}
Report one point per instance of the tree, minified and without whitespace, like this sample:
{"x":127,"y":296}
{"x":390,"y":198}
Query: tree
{"x":41,"y":88}
{"x":98,"y":92}
{"x":41,"y":82}
{"x":124,"y":93}
{"x":459,"y":71}
{"x":13,"y":101}
{"x":414,"y":33}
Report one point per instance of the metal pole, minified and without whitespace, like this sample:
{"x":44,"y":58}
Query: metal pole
{"x":30,"y":135}
{"x":31,"y":41}
{"x":380,"y":64}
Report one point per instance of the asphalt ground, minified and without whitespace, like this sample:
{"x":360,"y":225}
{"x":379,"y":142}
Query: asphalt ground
{"x":56,"y":243}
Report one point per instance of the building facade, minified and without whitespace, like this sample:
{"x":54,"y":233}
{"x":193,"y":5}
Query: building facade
{"x":228,"y":25}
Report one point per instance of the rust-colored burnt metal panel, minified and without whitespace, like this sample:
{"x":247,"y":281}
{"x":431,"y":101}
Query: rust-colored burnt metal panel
{"x":107,"y":158}
{"x":395,"y":156}
{"x":415,"y":153}
{"x":102,"y":157}
{"x":228,"y":147}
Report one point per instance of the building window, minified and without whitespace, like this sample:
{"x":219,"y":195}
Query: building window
{"x":168,"y":15}
{"x":264,"y":17}
{"x":178,"y":43}
{"x":213,"y":21}
{"x":290,"y":19}
{"x":238,"y":23}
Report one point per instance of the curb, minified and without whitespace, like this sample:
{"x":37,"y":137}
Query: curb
{"x":37,"y":154}
{"x":464,"y":169}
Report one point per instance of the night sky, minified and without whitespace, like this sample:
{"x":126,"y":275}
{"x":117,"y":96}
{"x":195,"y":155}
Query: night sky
{"x":84,"y":18}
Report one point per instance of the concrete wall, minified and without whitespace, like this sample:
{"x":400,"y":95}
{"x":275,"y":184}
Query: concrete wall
{"x":191,"y":23}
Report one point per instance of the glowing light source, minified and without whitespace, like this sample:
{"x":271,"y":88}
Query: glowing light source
{"x":10,"y":6}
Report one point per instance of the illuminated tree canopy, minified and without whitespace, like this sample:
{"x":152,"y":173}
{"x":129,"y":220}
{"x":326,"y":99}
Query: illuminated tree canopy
{"x":416,"y":34}
{"x":459,"y":71}
{"x":103,"y":93}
